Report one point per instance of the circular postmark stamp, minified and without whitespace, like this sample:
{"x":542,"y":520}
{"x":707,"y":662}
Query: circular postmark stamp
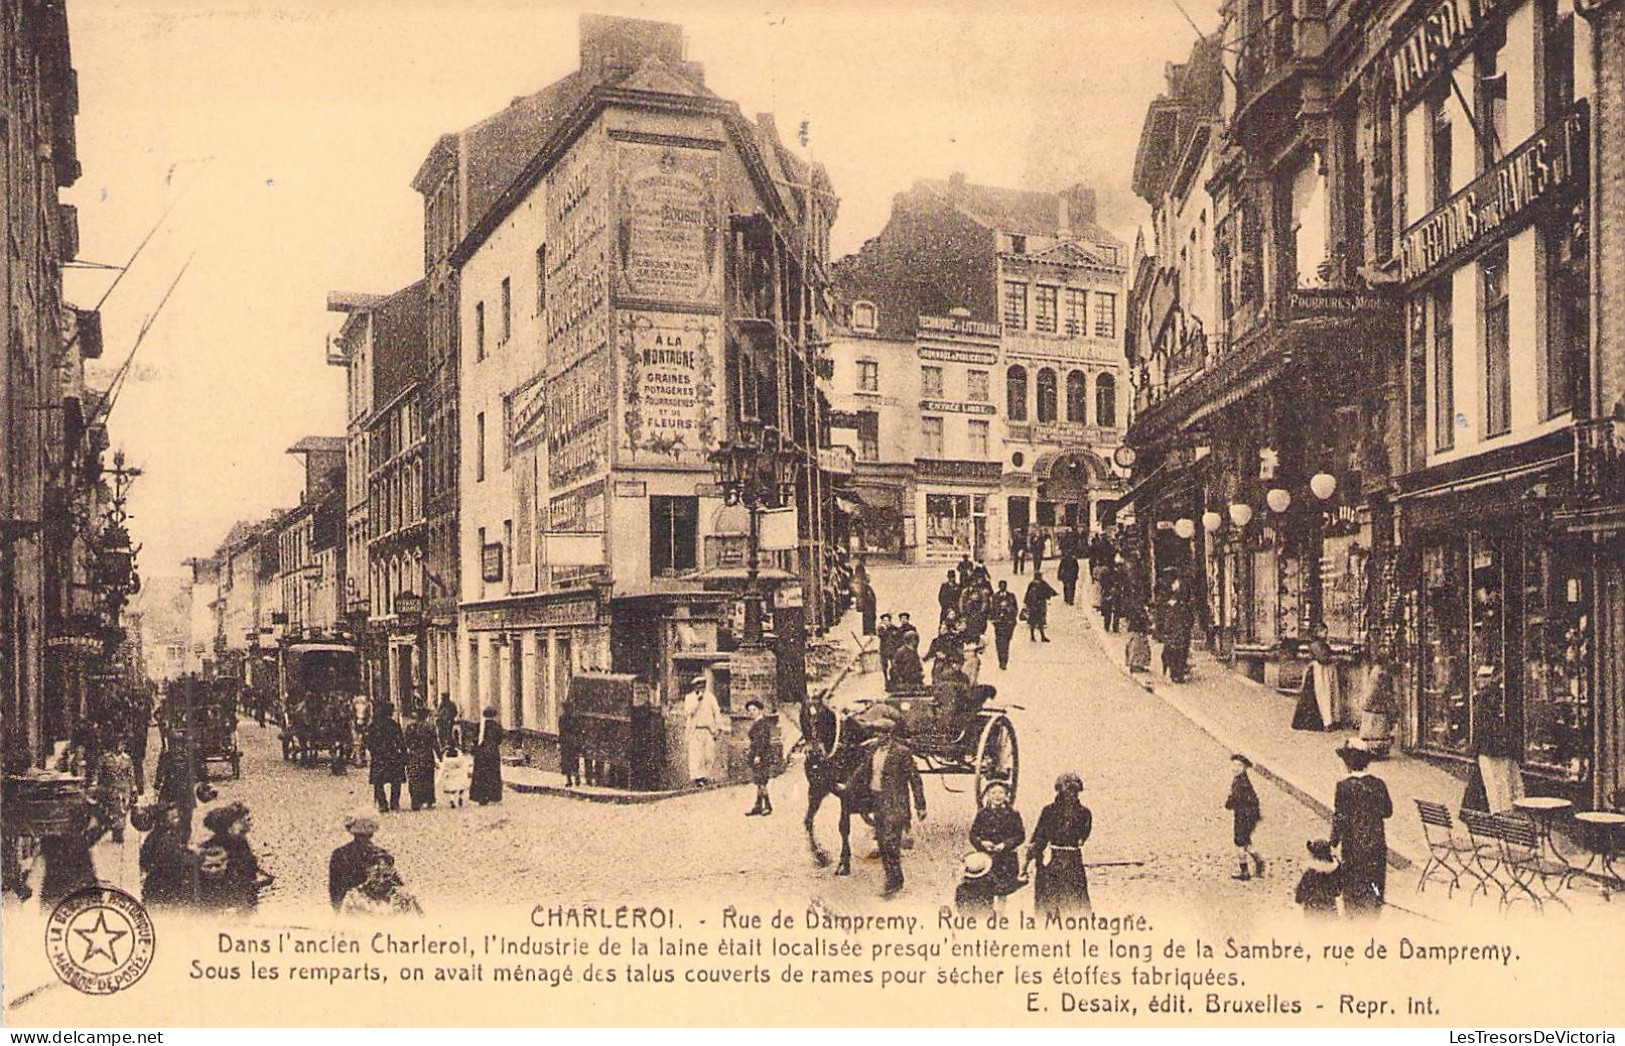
{"x":100,"y":940}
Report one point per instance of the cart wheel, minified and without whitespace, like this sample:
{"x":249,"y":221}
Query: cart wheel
{"x":997,"y":759}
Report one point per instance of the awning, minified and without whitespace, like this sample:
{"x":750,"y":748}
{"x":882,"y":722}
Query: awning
{"x":1165,"y":480}
{"x":1479,"y":497}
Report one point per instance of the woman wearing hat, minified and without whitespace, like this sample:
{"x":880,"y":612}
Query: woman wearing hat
{"x":998,"y":831}
{"x":1359,"y":809}
{"x":706,"y":728}
{"x":229,"y":874}
{"x":1062,"y":886}
{"x":386,"y":745}
{"x":347,"y":868}
{"x":486,"y":784}
{"x":422,"y":757}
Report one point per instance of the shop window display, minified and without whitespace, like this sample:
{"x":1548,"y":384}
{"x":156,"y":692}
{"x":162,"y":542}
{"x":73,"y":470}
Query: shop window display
{"x":1445,"y":703}
{"x":1556,"y":651}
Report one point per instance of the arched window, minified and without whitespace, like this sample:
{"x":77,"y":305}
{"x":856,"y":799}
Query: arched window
{"x":1015,"y":388}
{"x":1106,"y":401}
{"x":1046,"y":395}
{"x":1077,"y":397}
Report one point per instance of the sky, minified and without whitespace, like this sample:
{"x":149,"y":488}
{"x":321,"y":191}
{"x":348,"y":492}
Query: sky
{"x":282,"y":137}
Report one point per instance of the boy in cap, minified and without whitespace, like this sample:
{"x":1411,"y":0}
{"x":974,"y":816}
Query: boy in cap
{"x":1244,"y":809}
{"x":760,"y":757}
{"x":347,"y":868}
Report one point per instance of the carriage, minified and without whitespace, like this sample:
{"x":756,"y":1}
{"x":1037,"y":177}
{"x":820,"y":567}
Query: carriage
{"x":957,"y":730}
{"x":318,"y":686}
{"x":202,"y":713}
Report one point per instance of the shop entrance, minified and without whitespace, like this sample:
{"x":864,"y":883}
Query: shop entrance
{"x":956,"y":525}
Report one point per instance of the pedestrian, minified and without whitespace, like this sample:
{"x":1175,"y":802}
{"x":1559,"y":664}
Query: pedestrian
{"x":886,"y":634}
{"x":169,"y":872}
{"x":347,"y":867}
{"x":998,"y":831}
{"x":140,"y":728}
{"x":1106,"y":590}
{"x":946,"y":650}
{"x":1137,"y":651}
{"x":422,"y":757}
{"x":69,"y":866}
{"x":1062,"y":885}
{"x":706,"y":728}
{"x":760,"y":756}
{"x":1018,"y":549}
{"x":888,"y":777}
{"x":1179,"y":621}
{"x":1036,"y":544}
{"x":176,"y":780}
{"x":1319,"y":885}
{"x":229,"y":873}
{"x":976,"y":893}
{"x":947,"y":597}
{"x":569,"y":745}
{"x":907,"y":634}
{"x":485,"y":786}
{"x":1003,"y":613}
{"x":1035,"y":604}
{"x":386,"y":745}
{"x":115,"y":789}
{"x":445,"y":720}
{"x":1245,"y":813}
{"x":1360,"y":807}
{"x":455,"y":771}
{"x":865,"y":595}
{"x":360,"y":719}
{"x":382,"y":892}
{"x":1067,"y":572}
{"x":973,"y":608}
{"x":906,"y":670}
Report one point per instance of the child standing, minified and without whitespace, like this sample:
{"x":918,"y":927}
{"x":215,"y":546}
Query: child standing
{"x":1318,"y":888}
{"x":1243,"y":806}
{"x":760,"y":757}
{"x":454,"y":776}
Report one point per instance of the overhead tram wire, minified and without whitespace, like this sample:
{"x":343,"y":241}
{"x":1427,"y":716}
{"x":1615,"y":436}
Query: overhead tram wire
{"x":117,"y":384}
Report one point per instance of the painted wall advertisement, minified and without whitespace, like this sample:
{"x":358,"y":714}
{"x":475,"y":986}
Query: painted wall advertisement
{"x":668,"y":242}
{"x":576,"y":408}
{"x":669,"y":371}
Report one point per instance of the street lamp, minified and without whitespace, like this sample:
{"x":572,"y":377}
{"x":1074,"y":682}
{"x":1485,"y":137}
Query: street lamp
{"x":753,"y":469}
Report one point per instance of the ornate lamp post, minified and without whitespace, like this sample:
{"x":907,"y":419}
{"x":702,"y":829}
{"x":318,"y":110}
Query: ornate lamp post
{"x":753,"y":469}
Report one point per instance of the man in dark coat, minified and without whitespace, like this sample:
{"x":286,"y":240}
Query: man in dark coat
{"x":866,"y":604}
{"x":906,"y":669}
{"x":887,"y":633}
{"x":888,"y":776}
{"x":445,"y":720}
{"x":1003,"y":613}
{"x":386,"y":744}
{"x":948,"y":597}
{"x":1018,"y":550}
{"x":1360,"y":807}
{"x":1036,"y":603}
{"x":1178,"y":619}
{"x":347,"y":868}
{"x":1067,"y":571}
{"x":1036,"y":544}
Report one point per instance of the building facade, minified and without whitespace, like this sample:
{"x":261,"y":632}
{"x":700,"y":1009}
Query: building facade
{"x":649,"y":278}
{"x":978,"y":371}
{"x":311,"y":553}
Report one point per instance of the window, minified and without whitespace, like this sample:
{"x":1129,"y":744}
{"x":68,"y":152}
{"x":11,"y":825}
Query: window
{"x":1492,"y":111}
{"x":541,"y":279}
{"x":864,"y":316}
{"x":868,"y":376}
{"x":1105,"y":315}
{"x":1106,"y":401}
{"x":978,"y":438}
{"x":479,"y":448}
{"x":507,"y":548}
{"x":1077,"y":397}
{"x":1108,"y":253}
{"x":674,"y":527}
{"x":1440,"y":149}
{"x":1559,"y":71}
{"x":1568,"y":303}
{"x":1044,"y":310}
{"x":931,"y":437}
{"x":507,"y":310}
{"x":976,"y":386}
{"x":1018,"y":244}
{"x":1015,"y":393}
{"x":1497,"y":345}
{"x":1015,"y":304}
{"x":1444,"y":368}
{"x":1047,"y":393}
{"x":479,"y":330}
{"x":1076,"y":321}
{"x":868,"y":435}
{"x":931,"y":382}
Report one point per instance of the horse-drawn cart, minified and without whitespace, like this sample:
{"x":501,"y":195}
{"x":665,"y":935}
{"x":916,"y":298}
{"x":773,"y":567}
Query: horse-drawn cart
{"x":957,"y":730}
{"x":318,"y":686}
{"x":202,"y":713}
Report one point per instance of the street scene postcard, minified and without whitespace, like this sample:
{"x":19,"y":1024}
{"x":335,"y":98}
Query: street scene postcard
{"x":1091,"y":514}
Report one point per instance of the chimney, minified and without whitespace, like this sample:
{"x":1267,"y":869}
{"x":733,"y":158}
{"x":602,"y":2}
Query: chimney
{"x":613,"y":47}
{"x":769,"y":126}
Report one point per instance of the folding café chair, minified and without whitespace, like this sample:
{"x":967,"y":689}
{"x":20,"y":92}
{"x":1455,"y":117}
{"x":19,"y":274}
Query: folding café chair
{"x":1488,"y":859}
{"x":1449,"y":855}
{"x":1524,"y":850}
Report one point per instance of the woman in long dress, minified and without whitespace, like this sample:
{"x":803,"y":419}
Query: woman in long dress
{"x":706,"y":726}
{"x":422,"y":755}
{"x":486,"y":786}
{"x":1062,"y":885}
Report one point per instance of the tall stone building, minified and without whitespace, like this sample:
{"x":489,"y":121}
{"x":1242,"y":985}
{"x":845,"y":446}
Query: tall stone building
{"x":978,"y":369}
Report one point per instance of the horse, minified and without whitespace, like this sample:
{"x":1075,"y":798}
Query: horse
{"x":827,"y":774}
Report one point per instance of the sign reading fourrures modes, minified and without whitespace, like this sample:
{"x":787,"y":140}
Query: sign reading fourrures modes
{"x":100,"y":940}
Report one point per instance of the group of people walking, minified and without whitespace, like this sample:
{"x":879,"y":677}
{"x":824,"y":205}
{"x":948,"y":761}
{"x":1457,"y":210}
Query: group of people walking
{"x":429,"y":759}
{"x":1054,"y":863}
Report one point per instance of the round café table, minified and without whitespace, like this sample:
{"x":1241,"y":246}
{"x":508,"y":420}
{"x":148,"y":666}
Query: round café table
{"x":1603,"y":830}
{"x":1544,"y":810}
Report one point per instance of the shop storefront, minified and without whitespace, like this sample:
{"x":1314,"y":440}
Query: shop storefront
{"x":953,"y":500}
